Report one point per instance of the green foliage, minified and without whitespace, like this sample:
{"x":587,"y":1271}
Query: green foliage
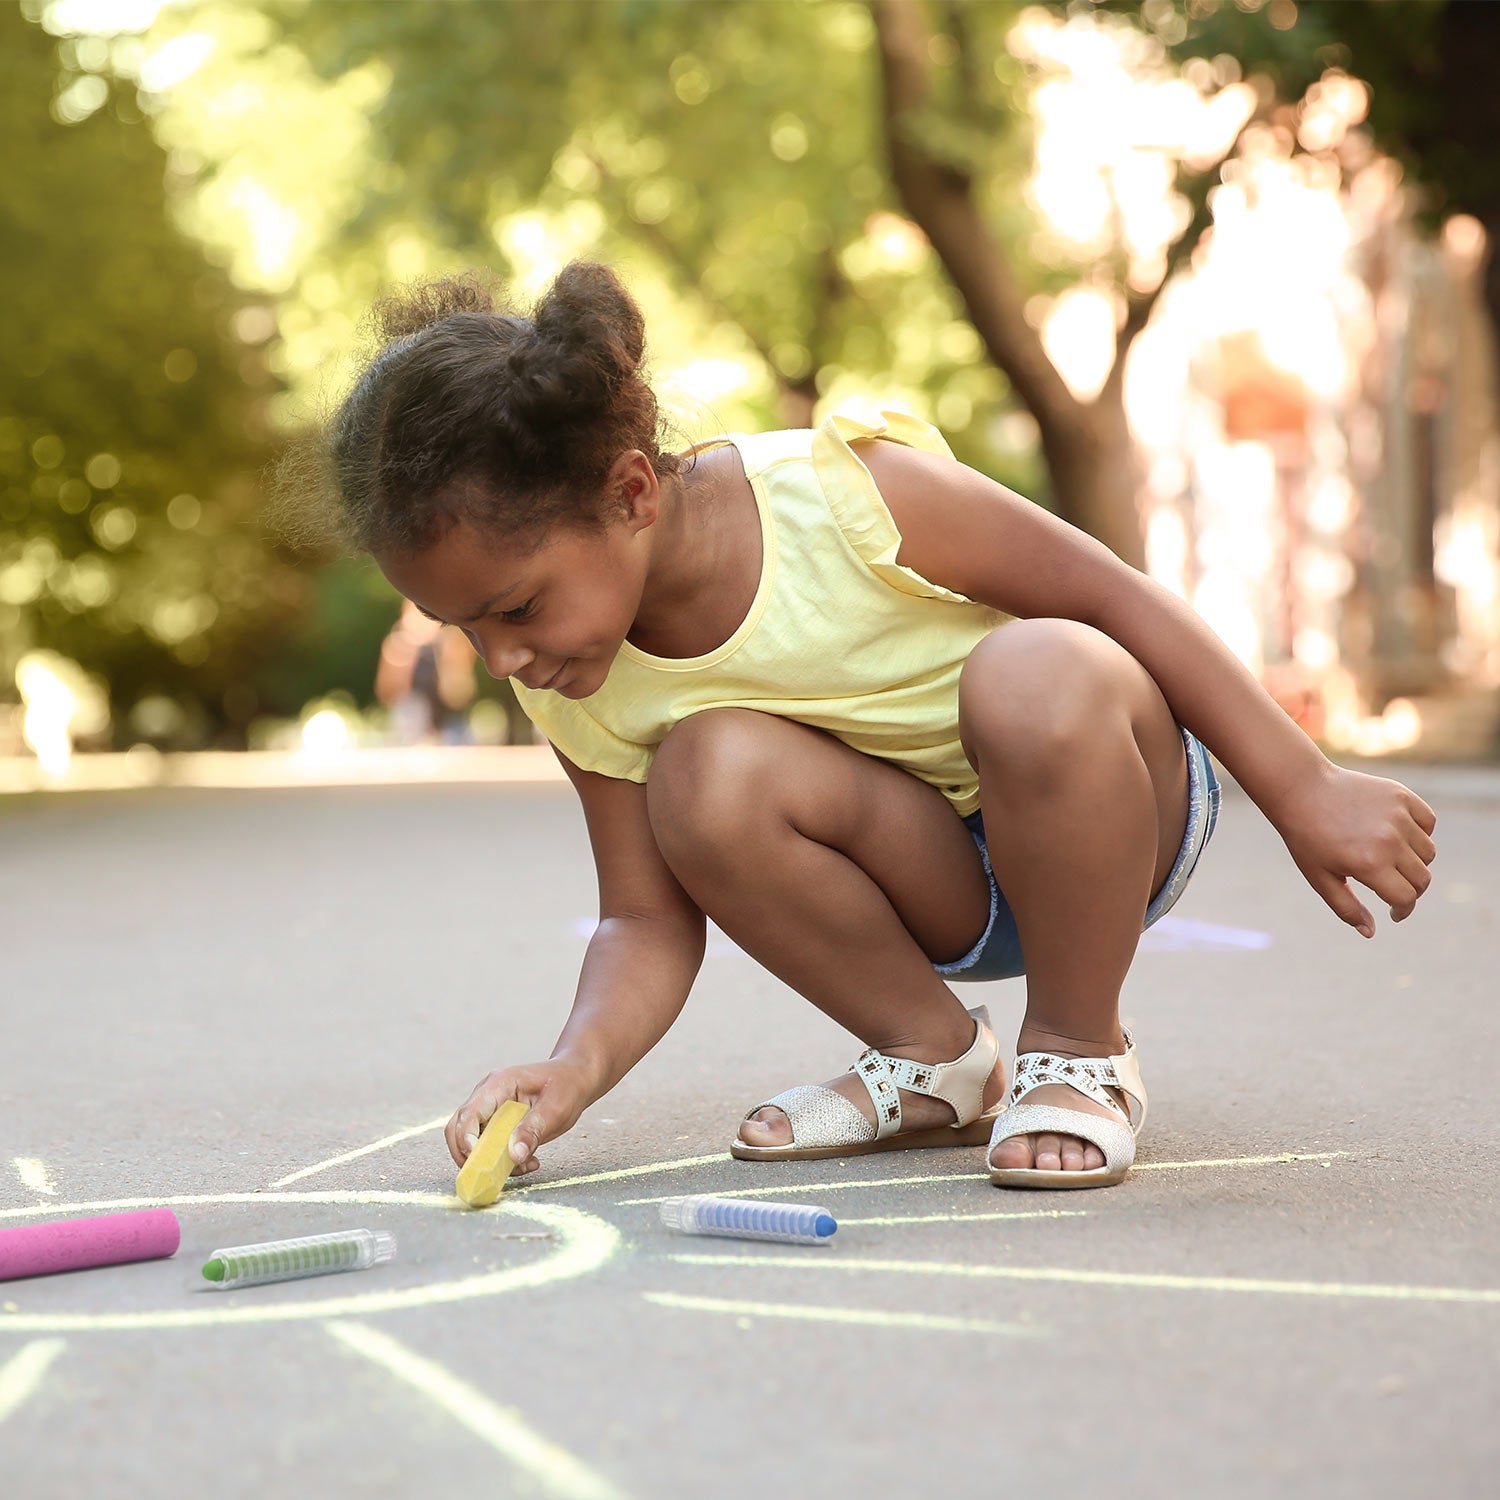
{"x":131,"y":414}
{"x":732,"y":145}
{"x":339,"y":644}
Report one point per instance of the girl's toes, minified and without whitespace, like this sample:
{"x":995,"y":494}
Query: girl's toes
{"x":1013,"y":1153}
{"x":1073,"y":1155}
{"x":1049,"y":1153}
{"x":766,"y":1127}
{"x":1046,"y":1153}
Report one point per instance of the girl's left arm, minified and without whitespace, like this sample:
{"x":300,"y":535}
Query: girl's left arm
{"x":969,"y":534}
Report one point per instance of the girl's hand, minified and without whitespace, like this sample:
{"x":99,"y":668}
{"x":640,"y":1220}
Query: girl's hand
{"x":1346,"y":826}
{"x":556,"y":1091}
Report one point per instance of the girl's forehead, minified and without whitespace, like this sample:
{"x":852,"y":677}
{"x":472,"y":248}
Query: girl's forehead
{"x":462,"y":568}
{"x":470,"y":571}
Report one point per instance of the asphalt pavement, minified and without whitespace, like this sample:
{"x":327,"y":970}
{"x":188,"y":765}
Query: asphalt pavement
{"x":253,"y":1007}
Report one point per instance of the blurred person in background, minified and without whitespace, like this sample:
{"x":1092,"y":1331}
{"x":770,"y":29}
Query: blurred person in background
{"x":426,"y":679}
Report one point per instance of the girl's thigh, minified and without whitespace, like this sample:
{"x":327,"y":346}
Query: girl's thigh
{"x":725,"y":782}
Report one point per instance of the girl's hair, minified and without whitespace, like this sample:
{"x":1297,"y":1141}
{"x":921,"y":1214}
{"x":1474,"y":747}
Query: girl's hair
{"x":511,"y":422}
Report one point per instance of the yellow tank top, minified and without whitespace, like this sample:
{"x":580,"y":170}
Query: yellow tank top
{"x":840,"y":635}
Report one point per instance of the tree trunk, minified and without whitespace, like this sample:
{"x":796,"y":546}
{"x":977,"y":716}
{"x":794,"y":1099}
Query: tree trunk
{"x":1490,"y":277}
{"x":1088,"y":447}
{"x":1096,"y":476}
{"x":797,"y":397}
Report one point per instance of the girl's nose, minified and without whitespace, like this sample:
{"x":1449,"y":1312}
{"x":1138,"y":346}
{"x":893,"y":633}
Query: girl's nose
{"x":502,"y":661}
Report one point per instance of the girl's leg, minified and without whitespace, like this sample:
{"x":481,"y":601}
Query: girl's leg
{"x":843,"y":875}
{"x":1083,"y":781}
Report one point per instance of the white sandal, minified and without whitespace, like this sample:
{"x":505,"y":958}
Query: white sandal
{"x":824,"y":1123}
{"x":1115,"y":1137}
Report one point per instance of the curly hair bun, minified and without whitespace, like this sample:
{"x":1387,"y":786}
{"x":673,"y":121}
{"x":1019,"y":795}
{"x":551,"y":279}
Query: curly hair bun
{"x":587,"y":304}
{"x":587,"y":340}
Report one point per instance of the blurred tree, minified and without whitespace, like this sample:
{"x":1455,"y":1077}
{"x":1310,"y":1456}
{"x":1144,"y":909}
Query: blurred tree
{"x":1430,"y":66}
{"x":337,"y":644}
{"x":754,"y":151}
{"x":935,"y":119}
{"x":729,"y":142}
{"x":132,"y":388}
{"x":739,"y":143}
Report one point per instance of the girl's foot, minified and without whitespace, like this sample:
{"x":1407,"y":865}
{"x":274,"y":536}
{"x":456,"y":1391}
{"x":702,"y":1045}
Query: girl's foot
{"x":769,"y":1126}
{"x":1048,"y":1152}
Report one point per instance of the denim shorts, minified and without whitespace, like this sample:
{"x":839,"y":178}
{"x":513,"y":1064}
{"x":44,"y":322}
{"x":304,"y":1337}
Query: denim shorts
{"x":997,"y":954}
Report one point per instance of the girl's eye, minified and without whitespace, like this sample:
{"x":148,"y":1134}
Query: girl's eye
{"x":520,"y":612}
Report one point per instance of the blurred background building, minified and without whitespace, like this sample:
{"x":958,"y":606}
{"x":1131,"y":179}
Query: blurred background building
{"x":1210,"y":278}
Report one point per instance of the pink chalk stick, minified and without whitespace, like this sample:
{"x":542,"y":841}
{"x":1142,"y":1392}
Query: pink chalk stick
{"x":74,"y":1244}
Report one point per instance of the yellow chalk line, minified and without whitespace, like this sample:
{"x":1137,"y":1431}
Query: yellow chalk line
{"x":516,"y":1186}
{"x":825,"y":1187}
{"x":34,"y":1175}
{"x":21,"y":1375}
{"x":380,"y":1145}
{"x":656,"y":1166}
{"x":1239,"y":1161}
{"x":976,"y":1175}
{"x":179,"y":1200}
{"x":585,"y":1243}
{"x":867,"y":1316}
{"x":1040,"y":1213}
{"x":1375,"y":1291}
{"x":502,"y":1427}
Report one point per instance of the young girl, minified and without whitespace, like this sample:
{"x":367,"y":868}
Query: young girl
{"x":780,"y":674}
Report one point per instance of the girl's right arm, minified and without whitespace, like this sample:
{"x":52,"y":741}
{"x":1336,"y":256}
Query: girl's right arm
{"x":639,"y":967}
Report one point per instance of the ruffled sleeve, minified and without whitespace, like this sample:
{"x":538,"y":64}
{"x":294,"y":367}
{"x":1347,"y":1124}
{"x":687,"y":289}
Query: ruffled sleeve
{"x":856,"y":501}
{"x":582,"y":738}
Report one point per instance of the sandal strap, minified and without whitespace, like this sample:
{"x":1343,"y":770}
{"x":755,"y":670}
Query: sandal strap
{"x":878,"y":1074}
{"x":959,"y":1084}
{"x":1091,"y":1076}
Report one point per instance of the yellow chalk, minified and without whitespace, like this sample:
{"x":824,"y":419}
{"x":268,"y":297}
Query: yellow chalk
{"x":483,"y":1175}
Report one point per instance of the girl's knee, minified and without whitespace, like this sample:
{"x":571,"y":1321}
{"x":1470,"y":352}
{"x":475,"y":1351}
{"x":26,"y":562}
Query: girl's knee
{"x":711,"y":779}
{"x":1038,"y":689}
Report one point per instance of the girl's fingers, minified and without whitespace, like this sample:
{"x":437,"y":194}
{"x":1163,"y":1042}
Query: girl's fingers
{"x":1392,"y":886}
{"x":473,"y":1115}
{"x":1421,"y":844}
{"x":463,"y":1129}
{"x":1416,"y":874}
{"x":467,"y":1124}
{"x":1346,"y":905}
{"x":528,"y":1135}
{"x":1422,"y":815}
{"x":461,"y":1135}
{"x":544,"y":1119}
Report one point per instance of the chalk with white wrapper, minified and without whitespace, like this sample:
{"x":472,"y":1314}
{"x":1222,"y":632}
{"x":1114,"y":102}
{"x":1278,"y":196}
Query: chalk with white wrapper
{"x":291,"y":1260}
{"x":742,"y":1219}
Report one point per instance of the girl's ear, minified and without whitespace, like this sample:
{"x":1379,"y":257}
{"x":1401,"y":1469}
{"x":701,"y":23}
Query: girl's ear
{"x":634,"y":484}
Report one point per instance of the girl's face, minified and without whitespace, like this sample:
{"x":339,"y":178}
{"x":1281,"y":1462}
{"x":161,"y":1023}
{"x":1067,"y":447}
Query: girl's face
{"x":552,"y":618}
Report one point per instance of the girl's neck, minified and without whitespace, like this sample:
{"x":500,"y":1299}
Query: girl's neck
{"x":698,"y":552}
